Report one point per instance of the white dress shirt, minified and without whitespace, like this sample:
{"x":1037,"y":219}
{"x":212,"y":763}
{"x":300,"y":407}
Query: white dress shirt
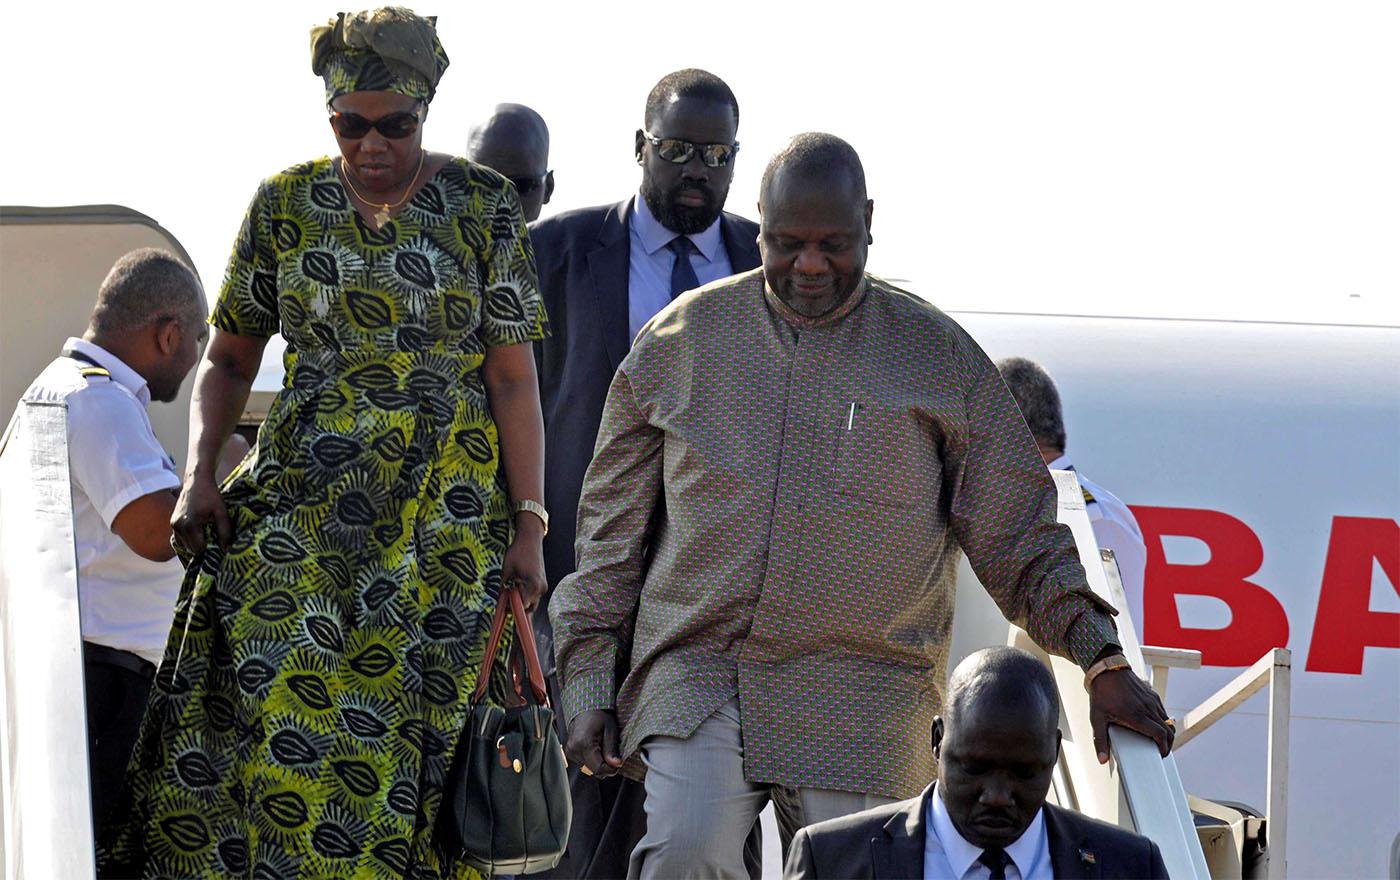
{"x":949,"y":856}
{"x":651,"y":261}
{"x":1115,"y":528}
{"x":125,"y":601}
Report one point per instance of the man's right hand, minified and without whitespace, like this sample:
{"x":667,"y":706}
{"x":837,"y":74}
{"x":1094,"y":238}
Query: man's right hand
{"x":593,"y":743}
{"x":200,"y":504}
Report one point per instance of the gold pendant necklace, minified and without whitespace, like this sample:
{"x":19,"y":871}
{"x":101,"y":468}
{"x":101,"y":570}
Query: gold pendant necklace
{"x":382,"y":215}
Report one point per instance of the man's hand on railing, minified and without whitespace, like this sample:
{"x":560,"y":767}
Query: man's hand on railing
{"x":1119,"y":697}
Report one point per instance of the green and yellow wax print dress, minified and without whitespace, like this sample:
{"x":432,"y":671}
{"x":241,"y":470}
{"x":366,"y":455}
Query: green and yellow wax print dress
{"x":318,"y":673}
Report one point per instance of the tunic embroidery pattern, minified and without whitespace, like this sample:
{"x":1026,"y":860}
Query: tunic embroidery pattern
{"x":317,"y":675}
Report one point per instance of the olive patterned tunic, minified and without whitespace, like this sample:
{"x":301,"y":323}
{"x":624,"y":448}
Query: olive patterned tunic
{"x":318,"y":672}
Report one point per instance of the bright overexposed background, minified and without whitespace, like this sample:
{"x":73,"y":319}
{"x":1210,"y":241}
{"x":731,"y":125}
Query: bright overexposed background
{"x":1207,"y":159}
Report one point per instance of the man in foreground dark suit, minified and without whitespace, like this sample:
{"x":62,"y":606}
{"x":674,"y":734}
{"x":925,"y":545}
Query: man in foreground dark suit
{"x":985,"y":818}
{"x":604,"y":271}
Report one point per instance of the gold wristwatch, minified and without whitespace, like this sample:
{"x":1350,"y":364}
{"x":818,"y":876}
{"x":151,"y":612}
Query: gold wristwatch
{"x":525,"y":505}
{"x":1107,"y":664}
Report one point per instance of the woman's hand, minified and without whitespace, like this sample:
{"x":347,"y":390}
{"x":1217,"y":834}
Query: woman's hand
{"x":198,"y":505}
{"x":523,"y":564}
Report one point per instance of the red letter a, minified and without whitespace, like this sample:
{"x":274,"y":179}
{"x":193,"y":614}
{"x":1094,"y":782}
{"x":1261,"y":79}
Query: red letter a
{"x":1257,"y":620}
{"x":1345,"y":624}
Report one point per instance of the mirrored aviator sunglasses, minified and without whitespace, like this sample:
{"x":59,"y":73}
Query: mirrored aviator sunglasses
{"x":395,"y":126}
{"x":679,"y":152}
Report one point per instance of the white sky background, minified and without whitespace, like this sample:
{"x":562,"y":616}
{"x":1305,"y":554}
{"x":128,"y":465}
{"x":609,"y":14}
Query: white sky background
{"x":1205,"y":159}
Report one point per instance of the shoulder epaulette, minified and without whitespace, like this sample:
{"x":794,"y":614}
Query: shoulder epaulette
{"x":89,"y":372}
{"x":1088,"y":496}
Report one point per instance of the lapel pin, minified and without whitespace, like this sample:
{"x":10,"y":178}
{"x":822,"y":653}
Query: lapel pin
{"x":1087,"y":857}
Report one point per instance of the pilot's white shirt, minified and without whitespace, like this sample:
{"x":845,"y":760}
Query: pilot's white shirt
{"x":125,"y":601}
{"x":1116,"y":529}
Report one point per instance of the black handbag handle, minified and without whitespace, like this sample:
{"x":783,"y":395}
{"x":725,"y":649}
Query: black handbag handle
{"x":510,"y":603}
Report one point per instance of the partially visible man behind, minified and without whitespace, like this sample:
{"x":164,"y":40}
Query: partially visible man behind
{"x":144,"y":336}
{"x":790,"y":464}
{"x":514,"y":142}
{"x":985,"y":818}
{"x":1115,"y":527}
{"x":604,"y":272}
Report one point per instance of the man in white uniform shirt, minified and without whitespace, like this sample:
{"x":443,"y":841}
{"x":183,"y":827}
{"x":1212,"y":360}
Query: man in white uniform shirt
{"x":1115,"y":527}
{"x":985,"y":818}
{"x":144,"y":336}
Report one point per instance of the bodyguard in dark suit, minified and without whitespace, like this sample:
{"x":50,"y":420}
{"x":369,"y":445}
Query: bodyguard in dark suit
{"x":604,"y":271}
{"x":985,"y":818}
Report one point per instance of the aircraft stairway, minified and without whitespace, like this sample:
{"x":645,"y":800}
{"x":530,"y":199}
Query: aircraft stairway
{"x":1138,"y":789}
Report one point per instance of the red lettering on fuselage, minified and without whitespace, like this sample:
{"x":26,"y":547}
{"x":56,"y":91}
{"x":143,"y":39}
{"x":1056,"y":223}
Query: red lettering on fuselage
{"x":1346,"y":626}
{"x":1258,"y":622}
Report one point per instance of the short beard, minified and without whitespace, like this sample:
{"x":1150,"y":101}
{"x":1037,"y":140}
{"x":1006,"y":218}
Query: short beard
{"x":163,"y":393}
{"x":680,"y":219}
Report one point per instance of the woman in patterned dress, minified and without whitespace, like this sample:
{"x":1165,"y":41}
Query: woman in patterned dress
{"x":330,"y":628}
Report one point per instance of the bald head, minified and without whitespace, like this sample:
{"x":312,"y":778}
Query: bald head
{"x":514,"y":141}
{"x":817,"y":158}
{"x":1001,"y":681}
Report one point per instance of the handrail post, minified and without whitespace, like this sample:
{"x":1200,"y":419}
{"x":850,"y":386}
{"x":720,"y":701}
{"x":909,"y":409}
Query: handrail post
{"x":1280,"y":708}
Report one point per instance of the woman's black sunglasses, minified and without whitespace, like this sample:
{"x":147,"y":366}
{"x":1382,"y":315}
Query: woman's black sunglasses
{"x":354,"y":126}
{"x":679,"y":152}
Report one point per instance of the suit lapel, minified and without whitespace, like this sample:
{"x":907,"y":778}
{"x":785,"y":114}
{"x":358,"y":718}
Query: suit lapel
{"x":1071,"y":855}
{"x":742,"y":248}
{"x":608,"y":269}
{"x":898,"y":851}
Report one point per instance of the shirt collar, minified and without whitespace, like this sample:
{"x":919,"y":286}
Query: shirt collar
{"x":121,"y":373}
{"x":962,"y":855}
{"x":1061,"y":464}
{"x":1027,"y":849}
{"x":654,"y":236}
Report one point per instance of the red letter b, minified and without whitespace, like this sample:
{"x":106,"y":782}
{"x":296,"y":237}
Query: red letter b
{"x":1257,"y":620}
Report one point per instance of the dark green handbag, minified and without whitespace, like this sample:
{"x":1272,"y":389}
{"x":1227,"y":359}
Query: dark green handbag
{"x":506,"y":806}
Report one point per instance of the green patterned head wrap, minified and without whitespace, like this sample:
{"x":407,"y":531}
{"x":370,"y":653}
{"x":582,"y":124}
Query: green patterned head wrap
{"x":382,"y":50}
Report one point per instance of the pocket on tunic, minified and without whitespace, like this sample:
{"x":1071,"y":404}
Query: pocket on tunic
{"x":883,"y":456}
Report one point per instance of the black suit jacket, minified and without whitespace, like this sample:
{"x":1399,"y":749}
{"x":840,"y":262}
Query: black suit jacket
{"x":582,"y":257}
{"x":888,"y":842}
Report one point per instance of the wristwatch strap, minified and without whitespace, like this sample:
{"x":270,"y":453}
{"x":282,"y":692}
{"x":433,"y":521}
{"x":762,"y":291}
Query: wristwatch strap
{"x":525,"y":505}
{"x":1111,"y":662}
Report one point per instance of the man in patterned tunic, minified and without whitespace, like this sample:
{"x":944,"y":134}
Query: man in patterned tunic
{"x":789,"y":462}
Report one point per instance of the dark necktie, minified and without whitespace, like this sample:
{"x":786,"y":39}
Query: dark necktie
{"x":682,"y":273}
{"x":996,"y":860}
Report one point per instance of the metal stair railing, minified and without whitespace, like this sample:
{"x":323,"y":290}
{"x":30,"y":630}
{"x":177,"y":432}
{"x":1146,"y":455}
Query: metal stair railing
{"x":1138,"y":789}
{"x":1274,"y":670}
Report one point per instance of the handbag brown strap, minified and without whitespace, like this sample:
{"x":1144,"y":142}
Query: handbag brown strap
{"x":510,"y":604}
